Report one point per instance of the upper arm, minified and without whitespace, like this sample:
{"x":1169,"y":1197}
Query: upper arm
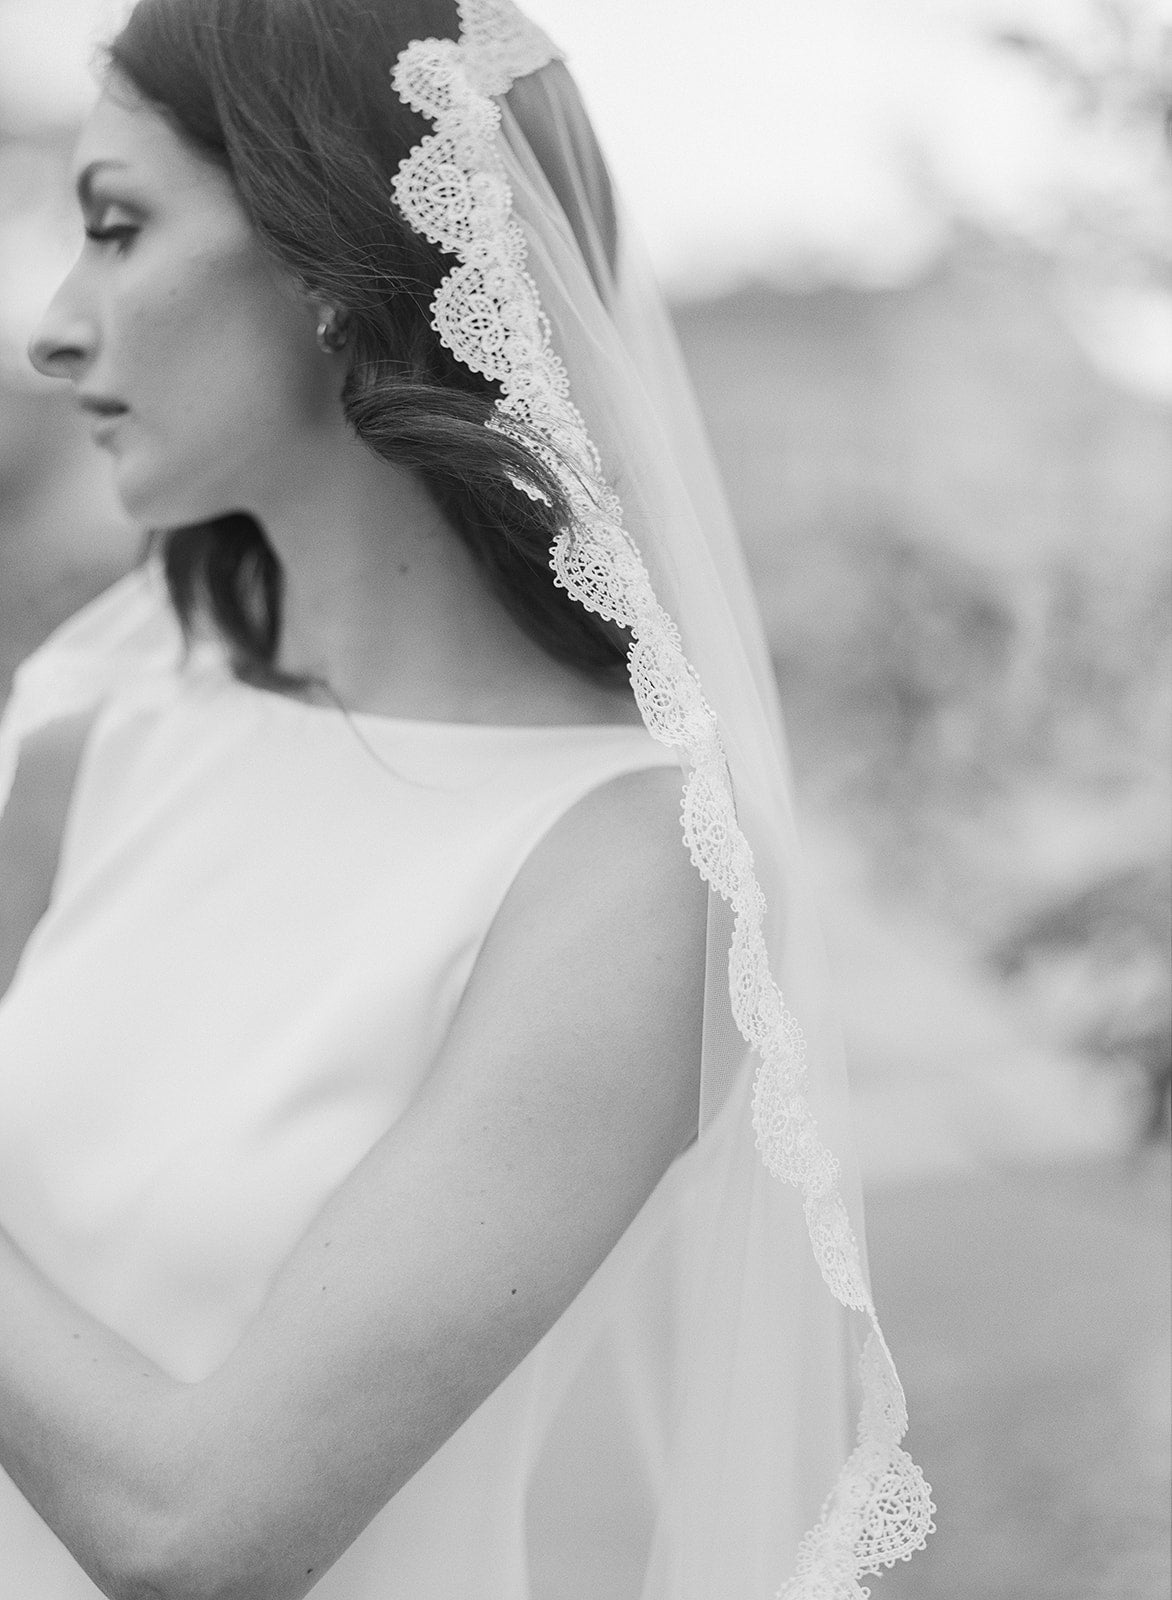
{"x":568,"y":1084}
{"x":32,"y":826}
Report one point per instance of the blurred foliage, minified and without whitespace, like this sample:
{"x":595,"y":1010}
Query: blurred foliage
{"x":959,"y":537}
{"x":1116,"y":66}
{"x":1107,"y":220}
{"x":1101,"y":958}
{"x":1113,"y":66}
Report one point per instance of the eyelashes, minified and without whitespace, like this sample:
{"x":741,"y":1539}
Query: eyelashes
{"x":120,"y":236}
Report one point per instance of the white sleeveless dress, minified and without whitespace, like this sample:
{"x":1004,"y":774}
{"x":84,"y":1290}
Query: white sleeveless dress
{"x":263,"y":921}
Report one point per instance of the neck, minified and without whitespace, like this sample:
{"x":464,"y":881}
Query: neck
{"x":384,"y":603}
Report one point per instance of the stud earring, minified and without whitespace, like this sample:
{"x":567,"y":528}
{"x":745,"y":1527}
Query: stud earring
{"x":332,"y":332}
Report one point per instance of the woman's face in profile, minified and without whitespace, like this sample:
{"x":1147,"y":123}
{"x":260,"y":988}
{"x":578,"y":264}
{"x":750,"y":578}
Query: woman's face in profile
{"x":194,"y":359}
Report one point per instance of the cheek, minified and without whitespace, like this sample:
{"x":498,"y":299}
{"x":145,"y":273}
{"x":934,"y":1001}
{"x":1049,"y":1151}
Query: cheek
{"x":214,"y":340}
{"x":224,"y":382}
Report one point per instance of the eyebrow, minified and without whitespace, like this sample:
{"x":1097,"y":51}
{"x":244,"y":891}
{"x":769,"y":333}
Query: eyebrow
{"x":85,"y":179}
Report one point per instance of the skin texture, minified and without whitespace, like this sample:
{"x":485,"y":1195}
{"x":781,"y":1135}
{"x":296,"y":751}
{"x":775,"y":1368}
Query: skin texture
{"x":172,"y":301}
{"x":569,"y":1082}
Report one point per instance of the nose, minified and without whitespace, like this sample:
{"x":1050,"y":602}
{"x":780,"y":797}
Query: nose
{"x":64,"y":342}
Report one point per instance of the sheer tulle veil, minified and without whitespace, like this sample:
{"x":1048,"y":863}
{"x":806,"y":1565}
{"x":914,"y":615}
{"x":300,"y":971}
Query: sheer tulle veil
{"x":772,"y":1414}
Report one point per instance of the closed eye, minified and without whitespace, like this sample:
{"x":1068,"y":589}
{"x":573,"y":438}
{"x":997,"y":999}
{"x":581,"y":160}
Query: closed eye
{"x":119,"y":234}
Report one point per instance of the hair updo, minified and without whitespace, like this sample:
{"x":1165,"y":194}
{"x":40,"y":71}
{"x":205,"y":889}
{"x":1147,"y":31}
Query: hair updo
{"x":293,"y":98}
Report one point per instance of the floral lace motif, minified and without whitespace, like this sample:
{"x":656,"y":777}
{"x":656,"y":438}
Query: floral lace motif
{"x":453,"y":189}
{"x":880,"y":1511}
{"x":501,"y":44}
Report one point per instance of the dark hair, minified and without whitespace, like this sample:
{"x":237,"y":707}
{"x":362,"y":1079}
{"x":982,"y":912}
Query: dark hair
{"x":293,"y":98}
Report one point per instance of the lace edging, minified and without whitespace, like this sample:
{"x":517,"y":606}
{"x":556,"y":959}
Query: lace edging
{"x":453,"y":189}
{"x":501,"y":44}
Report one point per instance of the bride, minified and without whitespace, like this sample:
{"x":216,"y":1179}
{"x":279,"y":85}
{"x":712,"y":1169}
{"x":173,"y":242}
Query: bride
{"x":382,"y":1203}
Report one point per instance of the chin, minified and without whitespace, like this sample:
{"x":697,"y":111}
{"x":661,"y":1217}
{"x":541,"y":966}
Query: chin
{"x":165,"y":500}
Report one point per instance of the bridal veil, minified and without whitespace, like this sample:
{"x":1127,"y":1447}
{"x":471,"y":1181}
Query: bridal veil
{"x":775,"y":1409}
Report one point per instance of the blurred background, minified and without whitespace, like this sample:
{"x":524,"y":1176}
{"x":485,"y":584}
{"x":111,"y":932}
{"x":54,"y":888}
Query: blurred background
{"x":920,"y":253}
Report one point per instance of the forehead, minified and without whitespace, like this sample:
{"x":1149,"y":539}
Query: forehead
{"x":126,"y":139}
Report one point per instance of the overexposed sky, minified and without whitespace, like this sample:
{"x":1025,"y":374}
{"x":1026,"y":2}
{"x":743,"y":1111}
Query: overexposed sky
{"x":805,"y":133}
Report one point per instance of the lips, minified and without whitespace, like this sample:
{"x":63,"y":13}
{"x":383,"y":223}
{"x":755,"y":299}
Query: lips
{"x":103,"y":414}
{"x":97,"y":406}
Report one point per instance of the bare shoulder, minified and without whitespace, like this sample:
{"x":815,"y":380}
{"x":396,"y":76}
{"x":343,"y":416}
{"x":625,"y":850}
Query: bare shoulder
{"x":621,"y":839}
{"x":613,"y":879}
{"x":600,"y":946}
{"x":32,"y":826}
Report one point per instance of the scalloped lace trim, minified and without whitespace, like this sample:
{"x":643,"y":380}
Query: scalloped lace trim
{"x":454,"y":190}
{"x":500,"y":44}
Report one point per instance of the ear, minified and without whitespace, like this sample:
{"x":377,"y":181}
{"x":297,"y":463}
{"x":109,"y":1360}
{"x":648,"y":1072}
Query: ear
{"x":333,"y":328}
